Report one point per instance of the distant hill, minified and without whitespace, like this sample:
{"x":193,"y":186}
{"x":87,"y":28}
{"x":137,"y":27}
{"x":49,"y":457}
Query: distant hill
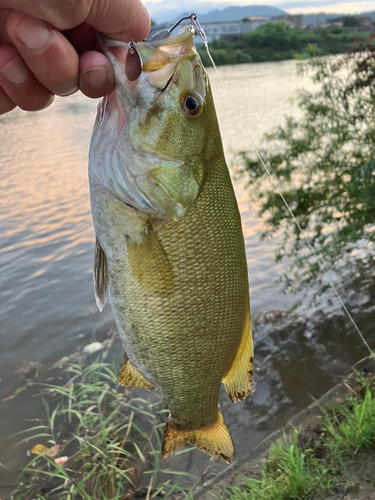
{"x":167,"y":10}
{"x":368,"y":14}
{"x":211,"y":11}
{"x":235,"y":13}
{"x":324,"y":17}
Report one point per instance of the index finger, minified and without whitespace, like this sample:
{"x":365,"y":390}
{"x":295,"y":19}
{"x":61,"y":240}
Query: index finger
{"x":121,"y":19}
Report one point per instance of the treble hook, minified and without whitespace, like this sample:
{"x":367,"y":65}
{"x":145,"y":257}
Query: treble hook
{"x":161,"y":35}
{"x":192,"y":17}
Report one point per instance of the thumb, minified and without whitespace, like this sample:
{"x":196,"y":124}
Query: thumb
{"x":121,"y":19}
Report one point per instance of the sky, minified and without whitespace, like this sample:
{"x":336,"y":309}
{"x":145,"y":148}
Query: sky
{"x":156,"y":7}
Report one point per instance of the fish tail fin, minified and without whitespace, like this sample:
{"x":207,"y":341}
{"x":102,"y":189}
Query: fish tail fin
{"x":237,"y":381}
{"x":214,"y":440}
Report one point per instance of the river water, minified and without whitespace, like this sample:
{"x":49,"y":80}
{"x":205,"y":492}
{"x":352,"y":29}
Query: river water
{"x":47,"y":305}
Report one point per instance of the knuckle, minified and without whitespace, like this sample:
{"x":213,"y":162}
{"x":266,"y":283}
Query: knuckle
{"x":68,"y":14}
{"x":140,"y":26}
{"x":57,"y":68}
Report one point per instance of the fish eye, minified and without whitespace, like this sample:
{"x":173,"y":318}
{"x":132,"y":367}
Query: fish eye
{"x":192,"y":105}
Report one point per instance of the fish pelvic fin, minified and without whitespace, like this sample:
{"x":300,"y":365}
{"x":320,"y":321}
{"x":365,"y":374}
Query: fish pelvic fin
{"x":100,"y":274}
{"x":237,"y":381}
{"x":130,"y":377}
{"x":150,"y":264}
{"x":214,"y":440}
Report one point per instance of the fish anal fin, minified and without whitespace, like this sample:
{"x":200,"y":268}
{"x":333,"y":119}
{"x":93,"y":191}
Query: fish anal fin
{"x":237,"y":381}
{"x":130,"y":377}
{"x":149,"y":262}
{"x":100,"y":276}
{"x":214,"y":440}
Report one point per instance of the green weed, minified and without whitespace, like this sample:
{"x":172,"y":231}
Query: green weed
{"x":293,"y":472}
{"x":351,"y":427}
{"x":110,"y":438}
{"x":289,"y":473}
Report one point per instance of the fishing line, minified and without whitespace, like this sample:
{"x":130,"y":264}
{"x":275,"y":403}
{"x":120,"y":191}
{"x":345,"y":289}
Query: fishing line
{"x":200,"y":31}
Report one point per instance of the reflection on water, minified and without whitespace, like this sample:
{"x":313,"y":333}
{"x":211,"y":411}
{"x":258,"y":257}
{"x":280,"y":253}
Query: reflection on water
{"x":47,"y":306}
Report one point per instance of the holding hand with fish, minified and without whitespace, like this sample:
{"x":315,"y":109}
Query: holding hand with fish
{"x":48,"y":47}
{"x":170,"y":253}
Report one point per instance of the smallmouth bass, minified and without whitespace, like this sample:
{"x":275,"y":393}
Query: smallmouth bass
{"x":170,"y":254}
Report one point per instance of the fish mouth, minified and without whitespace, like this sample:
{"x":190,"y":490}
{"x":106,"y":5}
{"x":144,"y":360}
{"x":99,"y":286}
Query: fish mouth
{"x":173,"y":44}
{"x":171,"y":50}
{"x":154,"y":54}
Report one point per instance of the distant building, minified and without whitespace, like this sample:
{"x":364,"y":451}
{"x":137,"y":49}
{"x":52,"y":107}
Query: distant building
{"x":315,"y":19}
{"x":252,"y":23}
{"x":292,"y":21}
{"x":321,"y":18}
{"x":229,"y":30}
{"x":329,"y":24}
{"x":365,"y":24}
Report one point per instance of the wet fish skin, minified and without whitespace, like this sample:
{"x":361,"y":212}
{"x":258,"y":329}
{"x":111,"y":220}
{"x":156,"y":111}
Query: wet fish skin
{"x":170,"y":251}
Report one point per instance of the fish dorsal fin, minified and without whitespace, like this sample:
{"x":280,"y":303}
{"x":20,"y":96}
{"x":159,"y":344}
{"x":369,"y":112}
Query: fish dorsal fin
{"x":149,"y":262}
{"x":214,"y":440}
{"x":100,"y":276}
{"x":130,"y":377}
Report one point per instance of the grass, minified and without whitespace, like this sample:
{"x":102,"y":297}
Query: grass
{"x":296,"y":469}
{"x":289,"y":473}
{"x":351,"y":429}
{"x":110,"y":439}
{"x":101,"y":442}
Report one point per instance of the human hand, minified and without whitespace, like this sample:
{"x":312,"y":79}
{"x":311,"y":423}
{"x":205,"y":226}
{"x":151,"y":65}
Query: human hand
{"x":47,"y":47}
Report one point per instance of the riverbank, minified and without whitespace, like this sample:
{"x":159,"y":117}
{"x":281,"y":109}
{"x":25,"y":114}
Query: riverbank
{"x":98,"y":440}
{"x":324,"y":452}
{"x":278,"y":42}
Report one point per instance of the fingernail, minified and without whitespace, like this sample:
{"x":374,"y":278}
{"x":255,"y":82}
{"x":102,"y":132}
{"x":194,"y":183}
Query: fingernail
{"x":34,"y":34}
{"x":70,"y":90}
{"x":15,"y":71}
{"x":95,"y":76}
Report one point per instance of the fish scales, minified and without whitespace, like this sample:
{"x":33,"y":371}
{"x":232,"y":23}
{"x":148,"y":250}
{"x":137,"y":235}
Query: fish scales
{"x":178,"y":284}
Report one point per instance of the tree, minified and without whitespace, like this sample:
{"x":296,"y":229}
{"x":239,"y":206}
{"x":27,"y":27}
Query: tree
{"x":350,"y":21}
{"x":324,"y":164}
{"x":277,"y":42}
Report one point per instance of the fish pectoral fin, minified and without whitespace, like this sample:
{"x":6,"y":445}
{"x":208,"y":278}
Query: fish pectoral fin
{"x":214,"y":440}
{"x":100,"y":276}
{"x":130,"y":377}
{"x":150,"y":263}
{"x":237,"y":381}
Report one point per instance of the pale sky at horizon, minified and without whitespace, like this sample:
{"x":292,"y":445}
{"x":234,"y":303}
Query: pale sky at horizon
{"x":291,"y":6}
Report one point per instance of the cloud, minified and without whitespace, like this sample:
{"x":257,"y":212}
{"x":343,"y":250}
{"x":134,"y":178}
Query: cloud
{"x":170,"y":9}
{"x":330,"y":7}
